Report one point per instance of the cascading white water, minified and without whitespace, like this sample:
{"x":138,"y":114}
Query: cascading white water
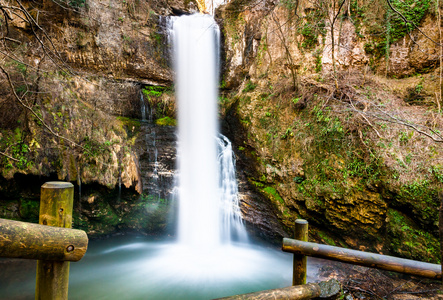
{"x":142,"y":107}
{"x":207,"y":190}
{"x":232,"y":223}
{"x":142,"y":268}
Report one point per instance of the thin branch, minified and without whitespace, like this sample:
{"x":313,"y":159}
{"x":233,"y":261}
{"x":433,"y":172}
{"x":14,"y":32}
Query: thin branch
{"x":288,"y":54}
{"x":11,"y":40}
{"x":10,"y":157}
{"x":412,"y":23}
{"x":370,"y":124}
{"x":392,"y":119}
{"x":33,"y":23}
{"x":34,"y":113}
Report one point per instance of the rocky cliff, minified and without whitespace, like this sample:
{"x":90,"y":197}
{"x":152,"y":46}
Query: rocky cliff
{"x":87,"y":98}
{"x":345,"y":136}
{"x":334,"y":110}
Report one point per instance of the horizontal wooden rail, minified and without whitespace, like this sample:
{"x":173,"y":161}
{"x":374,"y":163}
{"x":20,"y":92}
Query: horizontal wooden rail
{"x":34,"y":241}
{"x":361,"y":258}
{"x":324,"y":289}
{"x":298,"y":292}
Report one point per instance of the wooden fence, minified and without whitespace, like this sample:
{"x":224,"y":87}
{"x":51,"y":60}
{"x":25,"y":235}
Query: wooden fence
{"x":52,"y":242}
{"x":302,"y":248}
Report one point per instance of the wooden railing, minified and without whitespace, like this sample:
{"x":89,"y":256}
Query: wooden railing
{"x":54,"y":246}
{"x":301,"y":249}
{"x":324,"y":289}
{"x":52,"y":242}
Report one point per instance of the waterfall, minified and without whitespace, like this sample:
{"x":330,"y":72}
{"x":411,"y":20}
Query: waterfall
{"x":142,"y":107}
{"x":207,"y":188}
{"x":232,"y":223}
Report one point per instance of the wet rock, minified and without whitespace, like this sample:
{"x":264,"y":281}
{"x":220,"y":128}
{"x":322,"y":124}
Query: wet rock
{"x":330,"y":289}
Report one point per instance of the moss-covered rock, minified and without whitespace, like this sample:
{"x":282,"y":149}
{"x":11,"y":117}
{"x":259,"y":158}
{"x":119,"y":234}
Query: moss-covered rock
{"x":408,"y":239}
{"x":319,"y":147}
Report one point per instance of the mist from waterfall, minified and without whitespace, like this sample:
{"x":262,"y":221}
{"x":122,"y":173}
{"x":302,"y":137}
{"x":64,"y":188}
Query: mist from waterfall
{"x":206,"y":262}
{"x":207,"y":187}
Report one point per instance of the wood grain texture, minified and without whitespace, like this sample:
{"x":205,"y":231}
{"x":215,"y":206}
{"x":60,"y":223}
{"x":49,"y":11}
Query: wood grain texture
{"x":299,"y":292}
{"x":34,"y":241}
{"x":300,"y":261}
{"x":361,"y":258}
{"x":56,"y":203}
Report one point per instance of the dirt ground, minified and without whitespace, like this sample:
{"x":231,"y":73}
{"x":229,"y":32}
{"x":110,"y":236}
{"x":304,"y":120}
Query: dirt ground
{"x":367,"y":283}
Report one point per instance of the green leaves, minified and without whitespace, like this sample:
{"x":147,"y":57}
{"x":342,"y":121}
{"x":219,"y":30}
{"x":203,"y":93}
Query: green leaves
{"x":412,"y":10}
{"x":77,"y":3}
{"x":153,"y":91}
{"x":249,"y":87}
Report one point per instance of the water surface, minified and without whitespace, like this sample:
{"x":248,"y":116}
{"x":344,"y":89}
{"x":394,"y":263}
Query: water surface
{"x":142,"y":268}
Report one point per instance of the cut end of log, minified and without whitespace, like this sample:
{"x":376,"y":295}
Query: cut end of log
{"x":57,"y":185}
{"x":301,"y":221}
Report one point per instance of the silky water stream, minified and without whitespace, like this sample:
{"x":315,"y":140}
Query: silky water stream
{"x":211,"y":256}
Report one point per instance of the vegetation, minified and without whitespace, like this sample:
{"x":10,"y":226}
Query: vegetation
{"x":77,"y":3}
{"x":338,"y":146}
{"x":249,"y":87}
{"x":131,"y":126}
{"x":166,"y":121}
{"x":312,"y":27}
{"x":383,"y":26}
{"x":409,"y":240}
{"x":162,"y":107}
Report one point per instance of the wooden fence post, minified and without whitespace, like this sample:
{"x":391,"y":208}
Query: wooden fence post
{"x":56,"y":203}
{"x":299,"y":262}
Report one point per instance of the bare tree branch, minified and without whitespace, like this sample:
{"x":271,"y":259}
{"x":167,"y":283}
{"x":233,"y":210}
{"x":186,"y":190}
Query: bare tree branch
{"x":412,"y":23}
{"x":10,"y":157}
{"x":20,"y":100}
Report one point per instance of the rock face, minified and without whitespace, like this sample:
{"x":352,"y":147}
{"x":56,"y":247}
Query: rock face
{"x":156,"y":149}
{"x":318,"y":134}
{"x":96,"y":59}
{"x":308,"y":141}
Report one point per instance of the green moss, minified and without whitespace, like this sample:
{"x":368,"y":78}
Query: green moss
{"x":156,"y":97}
{"x":29,"y":210}
{"x":387,"y":27}
{"x":131,"y":126}
{"x":249,"y":87}
{"x":422,"y":198}
{"x":166,"y":121}
{"x":273,"y":194}
{"x":409,"y":240}
{"x":153,"y":91}
{"x":324,"y":236}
